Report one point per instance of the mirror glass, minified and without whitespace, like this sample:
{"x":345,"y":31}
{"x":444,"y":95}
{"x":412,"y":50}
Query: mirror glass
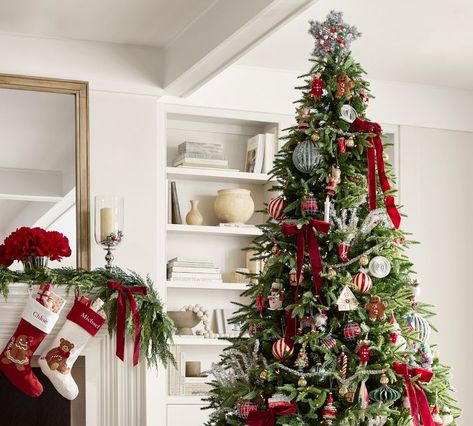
{"x":37,"y":164}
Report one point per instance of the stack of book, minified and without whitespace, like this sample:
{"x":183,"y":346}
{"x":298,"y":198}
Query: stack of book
{"x":179,"y":384}
{"x":184,"y":269}
{"x":200,"y":155}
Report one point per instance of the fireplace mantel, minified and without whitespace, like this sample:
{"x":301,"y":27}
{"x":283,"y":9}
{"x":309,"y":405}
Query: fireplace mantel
{"x":114,"y":389}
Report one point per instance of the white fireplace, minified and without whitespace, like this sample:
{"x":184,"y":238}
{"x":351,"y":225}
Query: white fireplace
{"x":114,"y":394}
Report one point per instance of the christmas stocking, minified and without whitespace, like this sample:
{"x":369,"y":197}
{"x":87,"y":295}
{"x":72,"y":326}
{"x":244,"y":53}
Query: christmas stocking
{"x":36,"y":323}
{"x":82,"y":323}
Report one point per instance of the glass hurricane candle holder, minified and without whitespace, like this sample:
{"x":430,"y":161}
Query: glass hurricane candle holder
{"x":109,"y":224}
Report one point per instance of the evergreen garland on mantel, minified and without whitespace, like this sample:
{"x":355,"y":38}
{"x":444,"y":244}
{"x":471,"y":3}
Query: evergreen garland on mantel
{"x":156,"y":327}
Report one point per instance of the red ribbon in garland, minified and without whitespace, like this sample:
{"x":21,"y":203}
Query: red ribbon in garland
{"x":304,"y":233}
{"x":376,"y":161}
{"x":268,"y":417}
{"x":417,"y":400}
{"x":124,"y":293}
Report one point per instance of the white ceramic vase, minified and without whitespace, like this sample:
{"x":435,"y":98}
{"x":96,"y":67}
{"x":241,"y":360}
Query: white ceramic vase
{"x":194,"y":217}
{"x":234,"y":205}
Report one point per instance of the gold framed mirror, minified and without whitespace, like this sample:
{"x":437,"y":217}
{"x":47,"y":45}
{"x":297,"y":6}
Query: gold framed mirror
{"x":77,"y":187}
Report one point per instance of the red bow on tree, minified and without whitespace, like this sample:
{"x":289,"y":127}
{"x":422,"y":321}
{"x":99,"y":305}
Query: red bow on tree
{"x":124,"y":293}
{"x":304,"y":233}
{"x":268,"y":417}
{"x":417,"y":400}
{"x":376,"y":161}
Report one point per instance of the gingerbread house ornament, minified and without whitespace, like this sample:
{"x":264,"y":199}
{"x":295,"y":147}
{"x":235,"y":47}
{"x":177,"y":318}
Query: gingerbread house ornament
{"x":347,"y":300}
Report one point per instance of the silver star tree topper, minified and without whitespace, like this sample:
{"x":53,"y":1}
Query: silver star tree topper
{"x":332,"y":35}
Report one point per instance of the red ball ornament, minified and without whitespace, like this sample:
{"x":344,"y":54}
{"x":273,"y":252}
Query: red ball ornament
{"x":329,"y":412}
{"x":281,"y":350}
{"x":351,"y":331}
{"x":276,"y":207}
{"x":244,"y":408}
{"x":364,"y":352}
{"x":309,"y":205}
{"x":362,"y":282}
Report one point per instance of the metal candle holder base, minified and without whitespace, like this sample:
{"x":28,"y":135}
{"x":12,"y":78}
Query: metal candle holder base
{"x":109,"y":258}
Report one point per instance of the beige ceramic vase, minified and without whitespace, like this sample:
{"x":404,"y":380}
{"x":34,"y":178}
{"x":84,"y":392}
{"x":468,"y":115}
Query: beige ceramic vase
{"x":234,"y":205}
{"x":194,"y":217}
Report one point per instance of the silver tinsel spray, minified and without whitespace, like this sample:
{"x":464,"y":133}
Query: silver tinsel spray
{"x":332,"y":35}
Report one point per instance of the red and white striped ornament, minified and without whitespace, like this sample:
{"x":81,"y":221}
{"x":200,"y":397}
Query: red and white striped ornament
{"x":343,"y":360}
{"x":351,"y":331}
{"x":362,"y":282}
{"x":276,"y":207}
{"x":436,"y":416}
{"x":281,"y":350}
{"x":329,"y":412}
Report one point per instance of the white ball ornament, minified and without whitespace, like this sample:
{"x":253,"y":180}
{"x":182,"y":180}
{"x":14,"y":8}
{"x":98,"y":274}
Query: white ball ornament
{"x":379,"y":267}
{"x":348,"y":113}
{"x":418,"y":323}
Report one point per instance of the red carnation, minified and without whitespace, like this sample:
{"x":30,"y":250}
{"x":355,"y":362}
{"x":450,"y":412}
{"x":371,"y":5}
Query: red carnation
{"x":4,"y":259}
{"x":58,"y":245}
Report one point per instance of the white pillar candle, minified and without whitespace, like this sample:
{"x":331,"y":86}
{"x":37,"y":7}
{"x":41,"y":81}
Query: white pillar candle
{"x":108,"y":223}
{"x":327,"y":210}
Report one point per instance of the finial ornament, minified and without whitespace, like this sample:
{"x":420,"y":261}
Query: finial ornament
{"x":332,"y":35}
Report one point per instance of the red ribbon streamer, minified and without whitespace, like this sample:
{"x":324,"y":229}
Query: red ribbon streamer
{"x":376,"y":161}
{"x":303,"y":234}
{"x":268,"y":417}
{"x":124,"y":293}
{"x":417,"y":399}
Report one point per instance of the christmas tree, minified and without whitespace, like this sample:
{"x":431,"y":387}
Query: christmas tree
{"x":336,"y":334}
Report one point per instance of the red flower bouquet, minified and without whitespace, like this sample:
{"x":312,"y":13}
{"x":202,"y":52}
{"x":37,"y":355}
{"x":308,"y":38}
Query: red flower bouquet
{"x":4,"y":260}
{"x":25,"y":242}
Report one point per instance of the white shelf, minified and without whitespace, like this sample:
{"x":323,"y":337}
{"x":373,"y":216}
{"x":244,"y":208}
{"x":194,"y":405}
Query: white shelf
{"x":201,"y":285}
{"x":214,"y":230}
{"x":216,"y":175}
{"x":198,"y":341}
{"x":185,"y":400}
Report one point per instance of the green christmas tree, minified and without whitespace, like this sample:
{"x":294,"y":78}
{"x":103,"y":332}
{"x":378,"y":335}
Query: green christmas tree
{"x":336,"y":335}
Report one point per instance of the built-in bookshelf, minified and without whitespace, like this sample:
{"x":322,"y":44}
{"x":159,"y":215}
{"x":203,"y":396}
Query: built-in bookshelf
{"x":221,"y":244}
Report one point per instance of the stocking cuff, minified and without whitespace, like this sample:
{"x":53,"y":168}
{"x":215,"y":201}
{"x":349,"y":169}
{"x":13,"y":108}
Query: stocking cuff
{"x":39,"y":316}
{"x":85,"y":318}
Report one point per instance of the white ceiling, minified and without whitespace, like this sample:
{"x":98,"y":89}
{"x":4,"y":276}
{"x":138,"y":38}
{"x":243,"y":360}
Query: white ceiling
{"x":422,"y":41}
{"x":142,"y":22}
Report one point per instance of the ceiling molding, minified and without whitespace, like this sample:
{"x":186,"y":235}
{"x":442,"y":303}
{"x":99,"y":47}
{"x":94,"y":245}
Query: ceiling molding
{"x":219,"y":37}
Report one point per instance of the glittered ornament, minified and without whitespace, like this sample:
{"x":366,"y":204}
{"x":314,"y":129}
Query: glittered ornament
{"x":380,"y":267}
{"x":281,"y":350}
{"x":309,"y":205}
{"x":244,"y":408}
{"x":348,"y":113}
{"x":364,"y":260}
{"x":302,"y":360}
{"x":362,"y":282}
{"x":331,"y":272}
{"x":329,"y":411}
{"x":384,"y":393}
{"x":342,"y":145}
{"x":276,"y":250}
{"x":351,"y":331}
{"x":418,"y":323}
{"x":306,"y":156}
{"x":315,"y":137}
{"x":276,"y":208}
{"x":263,"y":375}
{"x":302,"y":382}
{"x":350,"y":142}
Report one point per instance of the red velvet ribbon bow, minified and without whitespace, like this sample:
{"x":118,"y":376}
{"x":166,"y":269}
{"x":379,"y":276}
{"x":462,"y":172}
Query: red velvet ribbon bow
{"x":417,"y":400}
{"x":268,"y":417}
{"x":124,"y":293}
{"x":376,"y":161}
{"x":305,"y":232}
